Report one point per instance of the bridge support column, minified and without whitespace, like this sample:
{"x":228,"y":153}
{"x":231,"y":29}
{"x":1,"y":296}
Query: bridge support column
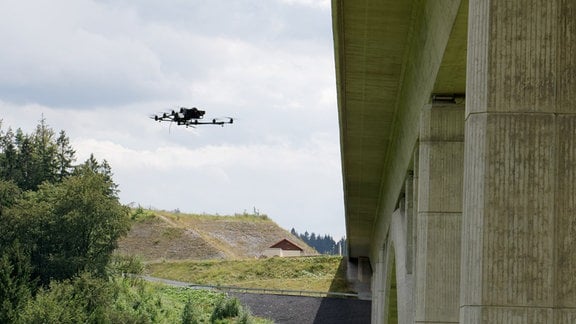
{"x":379,"y":288}
{"x":439,"y":214}
{"x":519,"y":224}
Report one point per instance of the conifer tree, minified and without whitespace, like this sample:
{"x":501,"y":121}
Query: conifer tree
{"x":65,"y":156}
{"x":8,"y":157}
{"x":45,"y":154}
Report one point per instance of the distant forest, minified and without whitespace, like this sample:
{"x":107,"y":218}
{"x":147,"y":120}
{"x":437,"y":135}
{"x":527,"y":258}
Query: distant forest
{"x":324,"y":244}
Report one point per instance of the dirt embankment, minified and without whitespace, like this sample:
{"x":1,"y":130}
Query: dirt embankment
{"x":168,"y":236}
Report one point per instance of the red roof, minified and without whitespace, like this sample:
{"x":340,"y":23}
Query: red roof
{"x":284,"y":244}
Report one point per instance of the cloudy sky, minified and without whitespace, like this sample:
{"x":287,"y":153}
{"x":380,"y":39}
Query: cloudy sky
{"x":98,"y":68}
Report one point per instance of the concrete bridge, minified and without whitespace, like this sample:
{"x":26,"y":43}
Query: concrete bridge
{"x":458,"y":139}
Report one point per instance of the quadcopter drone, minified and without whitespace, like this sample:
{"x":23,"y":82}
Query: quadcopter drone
{"x":191,"y":117}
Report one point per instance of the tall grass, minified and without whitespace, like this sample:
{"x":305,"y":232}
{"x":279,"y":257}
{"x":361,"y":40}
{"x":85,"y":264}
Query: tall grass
{"x":322,"y":273}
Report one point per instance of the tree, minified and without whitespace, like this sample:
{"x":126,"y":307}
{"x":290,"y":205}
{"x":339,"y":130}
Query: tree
{"x":65,"y":156}
{"x":104,"y":169}
{"x":29,"y":160}
{"x":15,"y":284}
{"x":8,"y":162}
{"x":323,"y":244}
{"x":45,"y":154}
{"x":24,"y":176}
{"x":9,"y":192}
{"x":90,"y":221}
{"x":69,"y":227}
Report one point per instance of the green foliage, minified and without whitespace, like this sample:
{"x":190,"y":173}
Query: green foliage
{"x":58,"y":304}
{"x":70,"y":227}
{"x":245,"y":317}
{"x":323,"y":244}
{"x":31,"y":159}
{"x":64,"y":156}
{"x":68,"y":223}
{"x":125,"y":264}
{"x":103,"y":169}
{"x":140,"y":213}
{"x":15,"y":284}
{"x":226,"y":308}
{"x":94,"y":300}
{"x":190,"y":314}
{"x":9,"y":192}
{"x":89,"y":299}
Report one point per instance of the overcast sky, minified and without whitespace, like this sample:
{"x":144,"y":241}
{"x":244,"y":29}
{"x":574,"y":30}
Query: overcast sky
{"x":98,"y":68}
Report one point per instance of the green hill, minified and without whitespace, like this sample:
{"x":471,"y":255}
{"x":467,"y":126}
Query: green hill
{"x":160,"y":236}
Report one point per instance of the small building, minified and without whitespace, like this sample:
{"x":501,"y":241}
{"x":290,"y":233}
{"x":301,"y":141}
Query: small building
{"x":283,"y":248}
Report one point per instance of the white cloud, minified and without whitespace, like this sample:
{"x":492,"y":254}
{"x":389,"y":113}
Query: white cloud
{"x":323,"y":4}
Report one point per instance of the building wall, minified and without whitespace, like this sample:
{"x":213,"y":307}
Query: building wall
{"x":272,"y":252}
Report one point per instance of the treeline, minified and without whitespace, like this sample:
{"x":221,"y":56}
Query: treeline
{"x":324,"y":244}
{"x":60,"y":223}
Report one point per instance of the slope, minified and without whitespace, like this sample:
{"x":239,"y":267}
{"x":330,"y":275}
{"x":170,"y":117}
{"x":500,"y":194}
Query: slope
{"x":158,"y":235}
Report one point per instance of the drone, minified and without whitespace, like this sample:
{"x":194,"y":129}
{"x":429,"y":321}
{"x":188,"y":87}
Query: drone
{"x":190,"y":117}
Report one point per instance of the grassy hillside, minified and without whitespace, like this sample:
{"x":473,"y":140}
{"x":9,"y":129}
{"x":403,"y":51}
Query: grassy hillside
{"x":225,"y":251}
{"x":320,"y":273}
{"x":162,"y":236}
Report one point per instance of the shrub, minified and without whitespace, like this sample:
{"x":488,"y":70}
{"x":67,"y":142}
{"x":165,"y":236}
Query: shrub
{"x":245,"y":317}
{"x":226,"y":308}
{"x":121,"y":264}
{"x":190,"y":314}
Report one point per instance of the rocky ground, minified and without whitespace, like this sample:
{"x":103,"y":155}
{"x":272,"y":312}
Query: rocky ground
{"x":304,"y":310}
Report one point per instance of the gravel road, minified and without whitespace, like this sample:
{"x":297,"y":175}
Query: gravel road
{"x":304,"y":310}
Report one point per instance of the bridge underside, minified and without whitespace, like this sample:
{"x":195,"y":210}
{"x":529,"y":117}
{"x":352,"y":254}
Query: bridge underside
{"x":390,"y":57}
{"x":458,"y":140}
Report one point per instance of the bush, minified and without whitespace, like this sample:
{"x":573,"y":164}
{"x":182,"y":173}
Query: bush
{"x":245,"y":317}
{"x":190,"y":314}
{"x":122,"y":264}
{"x":226,"y":308}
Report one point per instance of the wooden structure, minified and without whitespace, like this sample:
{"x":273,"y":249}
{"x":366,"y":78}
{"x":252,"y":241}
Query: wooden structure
{"x":283,"y":248}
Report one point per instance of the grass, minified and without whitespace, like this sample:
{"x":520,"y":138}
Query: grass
{"x":174,"y":300}
{"x":245,"y":217}
{"x":321,"y":273}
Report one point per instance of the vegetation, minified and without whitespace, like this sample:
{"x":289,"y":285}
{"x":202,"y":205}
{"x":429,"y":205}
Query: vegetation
{"x":322,"y":273}
{"x":86,"y":299}
{"x":60,"y":225}
{"x":324,"y":244}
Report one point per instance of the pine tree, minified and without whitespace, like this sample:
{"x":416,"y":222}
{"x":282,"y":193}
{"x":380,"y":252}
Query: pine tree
{"x":65,"y":156}
{"x":24,"y":175}
{"x":8,"y":159}
{"x":45,"y":154}
{"x":15,"y":282}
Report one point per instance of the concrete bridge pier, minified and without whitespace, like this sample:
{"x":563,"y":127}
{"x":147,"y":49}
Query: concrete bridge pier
{"x":441,"y":148}
{"x":519,"y":224}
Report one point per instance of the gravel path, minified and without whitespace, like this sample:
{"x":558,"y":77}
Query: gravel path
{"x":304,"y":310}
